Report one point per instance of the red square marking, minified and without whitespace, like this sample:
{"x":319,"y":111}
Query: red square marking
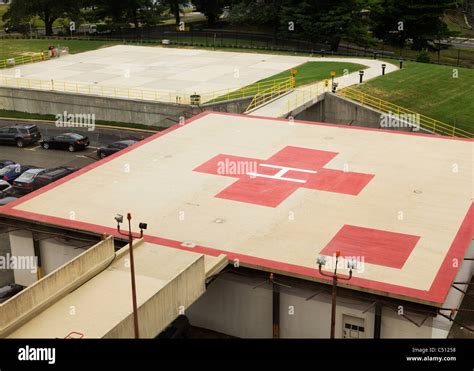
{"x":375,"y":246}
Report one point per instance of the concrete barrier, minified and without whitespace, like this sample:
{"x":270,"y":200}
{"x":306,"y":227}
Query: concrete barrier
{"x":43,"y":293}
{"x":335,"y":109}
{"x":159,"y":114}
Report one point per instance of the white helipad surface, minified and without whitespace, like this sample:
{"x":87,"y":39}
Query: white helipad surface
{"x":159,"y":68}
{"x":163,"y":74}
{"x":276,"y":194}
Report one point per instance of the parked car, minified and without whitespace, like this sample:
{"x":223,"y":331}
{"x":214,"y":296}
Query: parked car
{"x":6,"y":189}
{"x":24,"y":183}
{"x":20,"y":28}
{"x":51,"y":175}
{"x":10,"y":172}
{"x":114,"y":148}
{"x":69,"y":141}
{"x":4,"y":163}
{"x":7,"y":200}
{"x":7,"y":291}
{"x":20,"y":135}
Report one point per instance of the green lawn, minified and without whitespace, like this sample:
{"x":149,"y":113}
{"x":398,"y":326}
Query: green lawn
{"x":430,"y":90}
{"x":15,"y":47}
{"x":308,"y":73}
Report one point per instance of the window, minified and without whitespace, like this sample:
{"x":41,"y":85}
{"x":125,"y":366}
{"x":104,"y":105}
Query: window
{"x":354,"y":327}
{"x":12,"y":131}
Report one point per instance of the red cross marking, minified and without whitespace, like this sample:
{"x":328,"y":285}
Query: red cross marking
{"x":270,"y":182}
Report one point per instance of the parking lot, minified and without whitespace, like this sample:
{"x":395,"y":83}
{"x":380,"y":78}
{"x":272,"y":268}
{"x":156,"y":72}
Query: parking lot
{"x":37,"y":156}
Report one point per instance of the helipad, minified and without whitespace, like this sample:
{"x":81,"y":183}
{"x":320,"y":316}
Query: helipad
{"x":273,"y":195}
{"x":157,"y":68}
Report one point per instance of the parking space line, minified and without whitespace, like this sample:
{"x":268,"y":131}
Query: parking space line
{"x":32,"y":149}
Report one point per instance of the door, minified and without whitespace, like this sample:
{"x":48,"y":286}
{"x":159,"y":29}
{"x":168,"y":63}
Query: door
{"x":353,"y":327}
{"x":11,"y":135}
{"x":3,"y":134}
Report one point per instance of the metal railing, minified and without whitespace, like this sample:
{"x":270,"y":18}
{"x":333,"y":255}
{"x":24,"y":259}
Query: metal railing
{"x":425,"y":122}
{"x":166,"y":96}
{"x":276,"y":90}
{"x":302,"y":96}
{"x":24,"y":59}
{"x":247,"y":91}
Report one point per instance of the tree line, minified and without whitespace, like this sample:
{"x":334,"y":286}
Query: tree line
{"x":399,"y":22}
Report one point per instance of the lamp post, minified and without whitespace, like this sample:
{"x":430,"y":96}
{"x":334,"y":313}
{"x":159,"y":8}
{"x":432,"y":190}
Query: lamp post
{"x":142,"y":226}
{"x":361,"y":76}
{"x":383,"y":68}
{"x":321,"y":262}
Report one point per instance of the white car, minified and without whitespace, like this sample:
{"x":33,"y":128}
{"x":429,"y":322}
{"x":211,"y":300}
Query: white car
{"x":5,"y":188}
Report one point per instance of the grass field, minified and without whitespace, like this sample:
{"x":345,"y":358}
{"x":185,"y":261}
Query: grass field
{"x":316,"y":71}
{"x":307,"y":73}
{"x":15,"y":47}
{"x":430,"y":90}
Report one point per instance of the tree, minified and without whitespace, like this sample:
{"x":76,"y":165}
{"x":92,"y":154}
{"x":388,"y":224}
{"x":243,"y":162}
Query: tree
{"x":328,"y":21}
{"x":266,"y":13}
{"x":128,"y":11}
{"x":212,"y":9}
{"x":420,"y":22}
{"x":175,"y":8}
{"x":21,"y":11}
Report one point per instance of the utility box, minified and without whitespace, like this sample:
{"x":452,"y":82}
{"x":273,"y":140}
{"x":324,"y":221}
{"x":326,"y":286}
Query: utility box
{"x":195,"y":99}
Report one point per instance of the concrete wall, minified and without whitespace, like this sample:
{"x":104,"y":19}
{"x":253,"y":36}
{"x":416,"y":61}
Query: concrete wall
{"x":107,"y":109}
{"x":35,"y":298}
{"x":21,"y":244}
{"x":56,"y":252}
{"x":163,"y":307}
{"x":333,"y":108}
{"x":232,"y":306}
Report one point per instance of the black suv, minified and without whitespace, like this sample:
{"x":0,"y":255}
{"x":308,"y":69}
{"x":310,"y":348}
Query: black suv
{"x":51,"y":175}
{"x":20,"y":135}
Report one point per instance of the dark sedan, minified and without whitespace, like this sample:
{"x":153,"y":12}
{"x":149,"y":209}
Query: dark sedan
{"x":70,"y":141}
{"x":10,"y":172}
{"x":51,"y":175}
{"x":24,"y":183}
{"x":114,"y":148}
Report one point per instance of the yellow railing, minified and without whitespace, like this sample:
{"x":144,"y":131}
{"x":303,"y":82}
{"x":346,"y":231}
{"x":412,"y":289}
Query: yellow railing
{"x":425,"y":122}
{"x":274,"y":91}
{"x":135,"y":93}
{"x":301,"y":96}
{"x":247,"y":91}
{"x":23,"y":59}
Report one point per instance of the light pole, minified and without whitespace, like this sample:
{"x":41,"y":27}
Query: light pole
{"x":322,"y":261}
{"x":142,"y":226}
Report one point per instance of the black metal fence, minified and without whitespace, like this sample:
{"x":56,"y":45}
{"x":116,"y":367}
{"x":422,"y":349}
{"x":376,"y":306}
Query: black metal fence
{"x":262,"y":41}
